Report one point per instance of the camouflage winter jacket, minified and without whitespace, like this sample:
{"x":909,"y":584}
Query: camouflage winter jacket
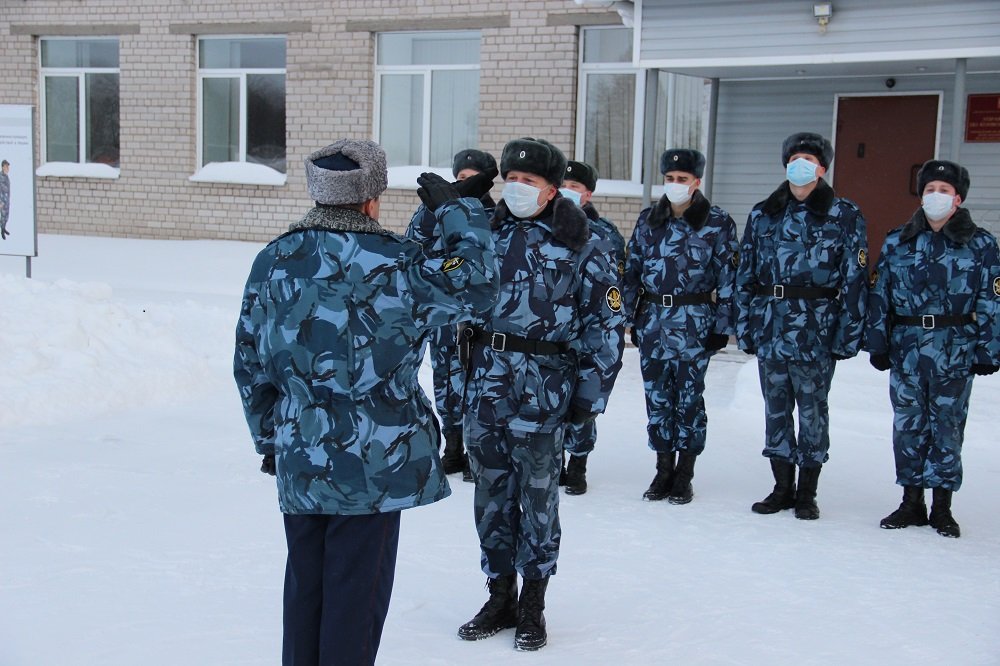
{"x":327,"y":351}
{"x":952,"y":272}
{"x":606,"y":229}
{"x":816,"y":243}
{"x":670,"y":256}
{"x":556,"y":284}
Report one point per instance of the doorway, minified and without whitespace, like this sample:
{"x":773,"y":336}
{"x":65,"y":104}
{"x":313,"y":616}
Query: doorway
{"x":882,"y":141}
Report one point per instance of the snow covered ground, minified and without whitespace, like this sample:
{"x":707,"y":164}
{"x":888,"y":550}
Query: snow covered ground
{"x":137,"y":530}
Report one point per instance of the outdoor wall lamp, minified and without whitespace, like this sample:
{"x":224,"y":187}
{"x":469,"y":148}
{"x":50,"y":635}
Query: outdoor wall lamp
{"x":822,"y":11}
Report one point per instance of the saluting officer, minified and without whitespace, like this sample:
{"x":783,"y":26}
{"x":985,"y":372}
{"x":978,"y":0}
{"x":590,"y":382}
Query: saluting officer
{"x":578,"y":186}
{"x":474,"y":171}
{"x":546,"y":354}
{"x":679,"y":277}
{"x":801,"y":291}
{"x":934,"y":322}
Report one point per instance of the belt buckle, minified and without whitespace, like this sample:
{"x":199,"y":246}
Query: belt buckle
{"x":667,"y":300}
{"x":778,"y":291}
{"x":927,"y":322}
{"x":503,"y":342}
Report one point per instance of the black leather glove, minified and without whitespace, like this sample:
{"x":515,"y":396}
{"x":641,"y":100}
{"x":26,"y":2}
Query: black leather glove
{"x":982,"y":369}
{"x":879,"y":361}
{"x":716,"y":341}
{"x":750,"y":351}
{"x":267,"y":465}
{"x":839,"y":357}
{"x":476,"y":186}
{"x":435,"y":191}
{"x":578,"y":417}
{"x":633,"y":336}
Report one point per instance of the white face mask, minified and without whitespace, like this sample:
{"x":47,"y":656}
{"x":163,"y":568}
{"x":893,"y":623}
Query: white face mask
{"x":677,"y":193}
{"x":937,"y":205}
{"x":521,"y":199}
{"x":572,"y":195}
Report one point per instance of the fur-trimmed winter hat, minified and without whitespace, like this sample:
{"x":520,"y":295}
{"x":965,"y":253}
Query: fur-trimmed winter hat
{"x":582,"y":173}
{"x":682,"y":159}
{"x":470,"y":158}
{"x":809,"y":143}
{"x":536,"y":156}
{"x":954,"y":174}
{"x":348,"y":171}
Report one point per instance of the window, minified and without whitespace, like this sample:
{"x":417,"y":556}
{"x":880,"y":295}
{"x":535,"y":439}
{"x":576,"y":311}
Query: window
{"x":611,"y":103}
{"x":241,"y":101}
{"x":427,"y":106}
{"x":80,"y":101}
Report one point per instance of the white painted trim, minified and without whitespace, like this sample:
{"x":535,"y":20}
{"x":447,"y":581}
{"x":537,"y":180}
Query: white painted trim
{"x":821,"y":58}
{"x":239,"y":173}
{"x":77,"y":170}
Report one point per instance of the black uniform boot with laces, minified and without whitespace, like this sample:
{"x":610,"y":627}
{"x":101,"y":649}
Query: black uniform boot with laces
{"x":498,"y":613}
{"x":783,"y":495}
{"x":576,"y":475}
{"x":912,"y":511}
{"x":663,"y":482}
{"x":941,"y":518}
{"x":805,"y":496}
{"x":681,"y":491}
{"x":530,"y":634}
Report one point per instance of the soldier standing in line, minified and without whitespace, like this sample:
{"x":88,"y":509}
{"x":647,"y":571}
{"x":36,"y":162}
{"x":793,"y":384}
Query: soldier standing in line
{"x":546,"y":354}
{"x":328,"y":346}
{"x":578,"y":186}
{"x":934,"y":322}
{"x":474,"y":171}
{"x":4,"y":198}
{"x":801,"y":291}
{"x":679,"y":277}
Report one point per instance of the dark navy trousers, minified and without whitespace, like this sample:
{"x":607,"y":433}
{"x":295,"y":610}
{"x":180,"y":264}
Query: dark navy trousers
{"x":338,"y":581}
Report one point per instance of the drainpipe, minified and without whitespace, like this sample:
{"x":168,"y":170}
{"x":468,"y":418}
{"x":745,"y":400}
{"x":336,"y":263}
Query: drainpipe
{"x":713,"y":113}
{"x":650,"y":157}
{"x":958,"y":109}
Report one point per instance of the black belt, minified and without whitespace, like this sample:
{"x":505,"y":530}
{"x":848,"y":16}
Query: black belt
{"x":780,"y":291}
{"x":671,"y":300}
{"x":507,"y":342}
{"x":935,"y":321}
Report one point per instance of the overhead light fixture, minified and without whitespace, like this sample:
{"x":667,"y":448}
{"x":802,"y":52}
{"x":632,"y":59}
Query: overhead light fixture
{"x":822,"y":12}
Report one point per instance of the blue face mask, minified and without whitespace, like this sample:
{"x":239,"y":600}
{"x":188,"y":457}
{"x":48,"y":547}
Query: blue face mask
{"x":801,"y":172}
{"x":521,"y":199}
{"x":572,"y":195}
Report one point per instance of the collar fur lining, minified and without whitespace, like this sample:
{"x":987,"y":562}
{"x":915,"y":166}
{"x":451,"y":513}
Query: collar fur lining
{"x":335,"y":218}
{"x":569,"y":222}
{"x":960,"y":228}
{"x":818,"y":201}
{"x":695,"y":215}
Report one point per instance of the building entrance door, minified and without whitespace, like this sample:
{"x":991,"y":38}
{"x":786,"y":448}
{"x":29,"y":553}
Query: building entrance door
{"x":881,"y":143}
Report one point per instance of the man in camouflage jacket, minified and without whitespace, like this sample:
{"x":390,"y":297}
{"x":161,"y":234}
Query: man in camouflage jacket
{"x":328,"y":345}
{"x":679,"y":278}
{"x":801,"y":291}
{"x":547,"y":353}
{"x":934,"y":322}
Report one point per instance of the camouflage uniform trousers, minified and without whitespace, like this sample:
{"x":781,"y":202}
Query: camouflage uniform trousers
{"x":516,"y":501}
{"x":580,"y":439}
{"x":928,"y":428}
{"x":448,"y":379}
{"x":675,"y":403}
{"x":806,"y":385}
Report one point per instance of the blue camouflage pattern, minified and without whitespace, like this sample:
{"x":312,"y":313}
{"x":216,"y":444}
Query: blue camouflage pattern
{"x":790,"y":385}
{"x":921,"y":272}
{"x":328,"y":346}
{"x":668,"y":255}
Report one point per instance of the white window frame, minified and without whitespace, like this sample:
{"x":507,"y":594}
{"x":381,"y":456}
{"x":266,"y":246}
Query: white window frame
{"x":80,"y":168}
{"x":426,"y":72}
{"x":241,"y":171}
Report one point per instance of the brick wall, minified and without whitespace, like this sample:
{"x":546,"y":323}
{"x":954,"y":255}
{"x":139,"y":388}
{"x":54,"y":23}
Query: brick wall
{"x":527,"y":78}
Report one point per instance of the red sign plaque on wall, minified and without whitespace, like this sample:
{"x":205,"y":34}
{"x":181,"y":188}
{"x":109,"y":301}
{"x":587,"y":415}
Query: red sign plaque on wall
{"x":982,"y":118}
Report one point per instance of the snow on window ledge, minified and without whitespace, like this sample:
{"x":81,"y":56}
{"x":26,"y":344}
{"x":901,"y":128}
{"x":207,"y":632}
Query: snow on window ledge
{"x":239,"y":173}
{"x":405,"y":177}
{"x":77,"y":170}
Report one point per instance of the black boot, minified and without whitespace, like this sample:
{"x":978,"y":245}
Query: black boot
{"x":467,"y":471}
{"x":912,"y":511}
{"x":805,"y":497}
{"x":498,"y":613}
{"x":941,"y":518}
{"x":453,"y":459}
{"x":783,"y":495}
{"x":664,"y":479}
{"x":576,"y":475}
{"x":530,"y":633}
{"x":681,"y":491}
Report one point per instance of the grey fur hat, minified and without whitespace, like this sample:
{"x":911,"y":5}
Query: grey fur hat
{"x":470,"y":158}
{"x":954,"y":174}
{"x":348,"y":171}
{"x":536,"y":156}
{"x":809,"y":143}
{"x":582,"y":173}
{"x":683,"y":159}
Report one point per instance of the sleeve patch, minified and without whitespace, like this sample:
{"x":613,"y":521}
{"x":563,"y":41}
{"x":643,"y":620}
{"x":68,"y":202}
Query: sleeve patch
{"x":873,"y":279}
{"x":862,"y":258}
{"x":736,"y":259}
{"x":614,"y":298}
{"x":996,"y":286}
{"x":451,"y":264}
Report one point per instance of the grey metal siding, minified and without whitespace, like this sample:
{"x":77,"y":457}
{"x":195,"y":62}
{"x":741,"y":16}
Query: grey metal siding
{"x":756,"y":116}
{"x":689,"y":29}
